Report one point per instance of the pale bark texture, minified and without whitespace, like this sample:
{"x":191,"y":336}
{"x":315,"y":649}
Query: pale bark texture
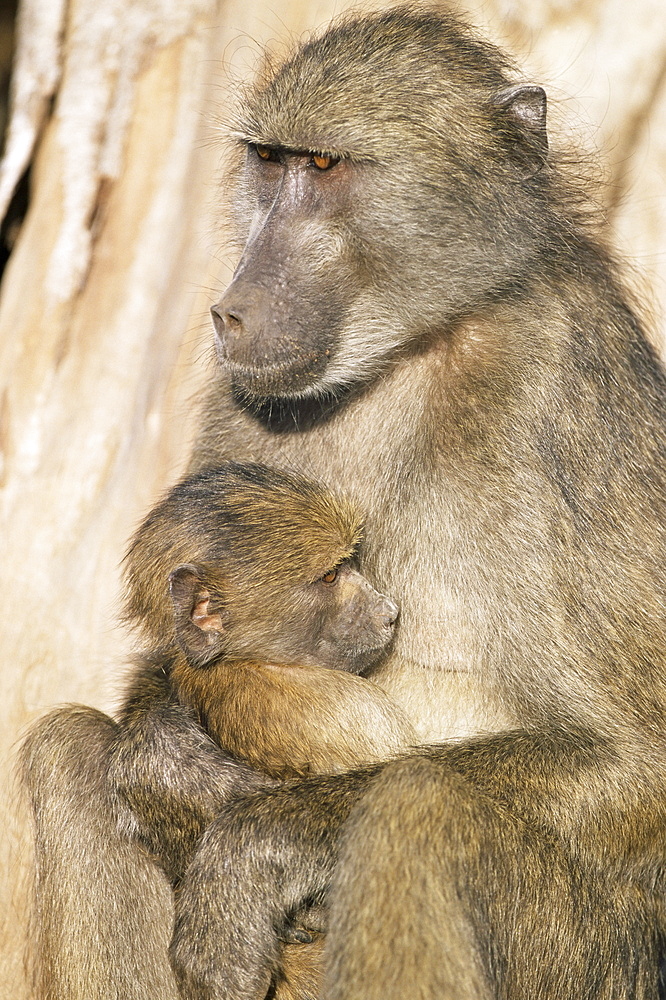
{"x":104,"y":339}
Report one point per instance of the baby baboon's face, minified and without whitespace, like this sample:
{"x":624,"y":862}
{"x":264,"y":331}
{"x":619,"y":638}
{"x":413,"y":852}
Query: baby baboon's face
{"x":338,"y":621}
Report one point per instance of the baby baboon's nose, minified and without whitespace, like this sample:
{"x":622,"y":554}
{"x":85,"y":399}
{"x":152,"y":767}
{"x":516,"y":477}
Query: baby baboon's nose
{"x":389,"y":612}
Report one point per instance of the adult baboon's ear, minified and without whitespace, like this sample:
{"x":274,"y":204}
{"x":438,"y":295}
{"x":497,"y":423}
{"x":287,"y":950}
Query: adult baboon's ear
{"x":199,"y":628}
{"x":523,"y":112}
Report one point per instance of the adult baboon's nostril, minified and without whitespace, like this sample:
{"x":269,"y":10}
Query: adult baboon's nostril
{"x":226,"y":322}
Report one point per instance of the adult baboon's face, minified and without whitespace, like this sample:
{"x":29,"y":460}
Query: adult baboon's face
{"x":386,"y":190}
{"x":278,"y":324}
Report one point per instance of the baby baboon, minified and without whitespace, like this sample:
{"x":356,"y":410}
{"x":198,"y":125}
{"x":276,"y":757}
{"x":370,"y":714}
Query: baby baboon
{"x":242,"y":581}
{"x":265,"y":622}
{"x":424,"y":316}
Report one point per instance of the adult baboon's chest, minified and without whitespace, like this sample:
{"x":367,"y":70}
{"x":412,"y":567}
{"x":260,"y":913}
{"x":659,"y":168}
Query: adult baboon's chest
{"x":389,"y":452}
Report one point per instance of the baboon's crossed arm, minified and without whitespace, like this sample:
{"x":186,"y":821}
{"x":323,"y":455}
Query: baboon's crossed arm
{"x":493,"y":825}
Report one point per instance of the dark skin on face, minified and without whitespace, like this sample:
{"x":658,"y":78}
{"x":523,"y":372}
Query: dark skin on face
{"x":320,"y":243}
{"x":292,"y":190}
{"x":434,"y":326}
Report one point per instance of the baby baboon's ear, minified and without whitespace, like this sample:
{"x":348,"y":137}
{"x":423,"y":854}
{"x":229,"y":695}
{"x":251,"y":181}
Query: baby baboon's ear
{"x":198,"y":631}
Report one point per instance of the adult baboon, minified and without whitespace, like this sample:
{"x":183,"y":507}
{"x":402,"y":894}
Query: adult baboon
{"x":423,"y":316}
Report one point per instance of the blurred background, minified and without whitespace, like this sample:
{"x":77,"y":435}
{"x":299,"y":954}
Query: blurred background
{"x":113,"y":249}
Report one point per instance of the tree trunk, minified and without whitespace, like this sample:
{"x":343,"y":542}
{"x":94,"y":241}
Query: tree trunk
{"x":104,"y":341}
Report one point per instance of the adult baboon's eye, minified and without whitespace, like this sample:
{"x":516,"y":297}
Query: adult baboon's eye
{"x":265,"y":152}
{"x":329,"y":577}
{"x":323,"y":162}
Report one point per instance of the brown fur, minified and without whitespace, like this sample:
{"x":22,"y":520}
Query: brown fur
{"x":292,"y":721}
{"x":433,"y":326}
{"x":299,"y":975}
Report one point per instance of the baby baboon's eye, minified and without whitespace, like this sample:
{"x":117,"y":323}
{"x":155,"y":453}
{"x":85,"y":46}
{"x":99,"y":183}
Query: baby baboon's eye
{"x":323,"y":162}
{"x":329,"y":577}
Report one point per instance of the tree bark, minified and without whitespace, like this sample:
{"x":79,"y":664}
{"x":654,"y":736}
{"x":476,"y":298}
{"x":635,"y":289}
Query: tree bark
{"x":104,"y":341}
